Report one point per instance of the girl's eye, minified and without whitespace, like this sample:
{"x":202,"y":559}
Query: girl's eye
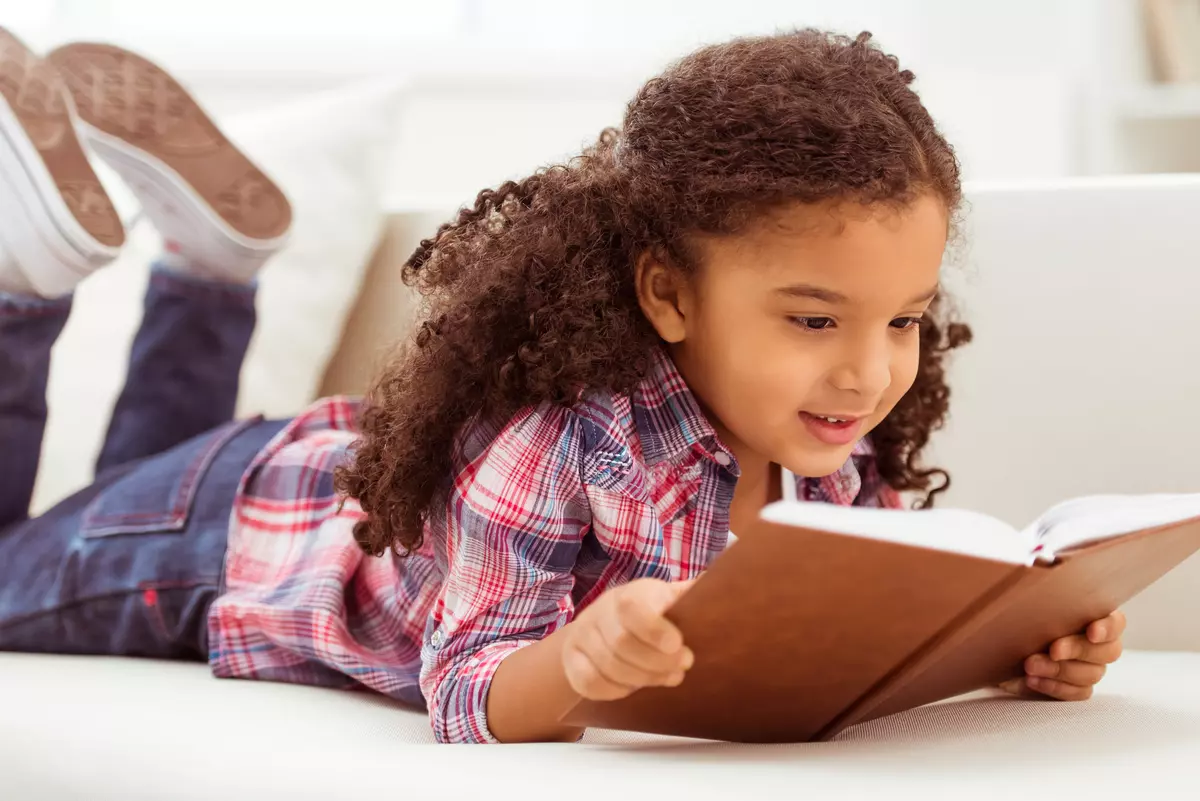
{"x":906,"y":323}
{"x":813,"y":323}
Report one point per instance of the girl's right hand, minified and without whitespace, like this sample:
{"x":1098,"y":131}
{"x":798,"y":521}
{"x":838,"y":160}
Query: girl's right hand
{"x":622,"y":642}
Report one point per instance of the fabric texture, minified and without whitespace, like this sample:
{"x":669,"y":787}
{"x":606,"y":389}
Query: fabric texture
{"x":327,"y":152}
{"x":131,"y":564}
{"x":104,"y":728}
{"x":546,"y":513}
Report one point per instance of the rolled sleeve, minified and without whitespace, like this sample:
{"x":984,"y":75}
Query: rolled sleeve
{"x":514,"y":522}
{"x":459,"y":711}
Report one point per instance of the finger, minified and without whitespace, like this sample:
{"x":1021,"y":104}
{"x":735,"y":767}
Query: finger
{"x":586,"y":679}
{"x":1077,"y":647}
{"x":1071,"y":671}
{"x":616,"y":670}
{"x":641,"y":614}
{"x":1107,"y":630}
{"x":628,"y":647}
{"x":1059,"y":689}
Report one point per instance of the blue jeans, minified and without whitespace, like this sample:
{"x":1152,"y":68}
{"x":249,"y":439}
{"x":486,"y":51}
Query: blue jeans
{"x":131,"y":564}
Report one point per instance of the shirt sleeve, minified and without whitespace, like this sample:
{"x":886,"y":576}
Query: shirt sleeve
{"x":513,"y":526}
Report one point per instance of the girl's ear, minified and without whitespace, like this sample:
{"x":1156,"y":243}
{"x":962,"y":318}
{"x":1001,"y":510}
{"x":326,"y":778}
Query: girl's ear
{"x":663,"y":293}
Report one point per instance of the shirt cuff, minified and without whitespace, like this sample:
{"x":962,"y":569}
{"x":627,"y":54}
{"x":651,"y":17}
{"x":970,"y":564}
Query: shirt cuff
{"x":460,"y":713}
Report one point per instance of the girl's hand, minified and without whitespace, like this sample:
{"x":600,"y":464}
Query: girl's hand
{"x":622,"y":642}
{"x":1074,"y":664}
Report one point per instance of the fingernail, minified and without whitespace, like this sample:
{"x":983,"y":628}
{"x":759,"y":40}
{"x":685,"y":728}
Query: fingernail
{"x":689,"y":658}
{"x":1100,"y":633}
{"x":1035,"y":683}
{"x":676,"y":679}
{"x":1012,"y":686}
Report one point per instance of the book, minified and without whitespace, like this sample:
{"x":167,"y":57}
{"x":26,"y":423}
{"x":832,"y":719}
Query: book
{"x":823,"y":616}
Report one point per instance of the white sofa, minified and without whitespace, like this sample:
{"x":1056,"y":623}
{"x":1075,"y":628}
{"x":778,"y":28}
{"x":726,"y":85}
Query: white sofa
{"x":1083,"y":378}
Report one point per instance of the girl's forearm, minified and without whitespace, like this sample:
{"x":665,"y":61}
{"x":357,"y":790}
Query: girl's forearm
{"x":530,"y":692}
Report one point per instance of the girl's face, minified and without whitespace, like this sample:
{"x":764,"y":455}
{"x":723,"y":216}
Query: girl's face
{"x":812,"y":314}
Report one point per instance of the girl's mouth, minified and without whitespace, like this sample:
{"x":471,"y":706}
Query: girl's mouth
{"x":833,"y":429}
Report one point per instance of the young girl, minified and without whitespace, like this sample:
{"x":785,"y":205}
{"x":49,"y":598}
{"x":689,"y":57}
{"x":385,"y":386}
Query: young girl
{"x":617,"y":356}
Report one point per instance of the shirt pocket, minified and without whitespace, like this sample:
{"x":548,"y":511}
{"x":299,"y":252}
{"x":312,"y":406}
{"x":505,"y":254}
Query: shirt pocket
{"x":157,"y":494}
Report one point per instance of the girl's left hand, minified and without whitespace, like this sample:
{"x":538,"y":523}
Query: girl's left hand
{"x":1074,"y":664}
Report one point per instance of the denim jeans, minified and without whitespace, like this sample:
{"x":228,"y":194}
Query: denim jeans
{"x":131,"y":564}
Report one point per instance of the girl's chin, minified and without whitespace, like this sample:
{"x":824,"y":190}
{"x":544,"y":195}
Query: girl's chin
{"x":818,"y":464}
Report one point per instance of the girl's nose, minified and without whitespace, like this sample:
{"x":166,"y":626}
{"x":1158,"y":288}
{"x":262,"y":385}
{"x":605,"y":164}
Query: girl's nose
{"x":865,"y":368}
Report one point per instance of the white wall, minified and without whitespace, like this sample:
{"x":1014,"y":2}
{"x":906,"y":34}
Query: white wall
{"x":499,"y":88}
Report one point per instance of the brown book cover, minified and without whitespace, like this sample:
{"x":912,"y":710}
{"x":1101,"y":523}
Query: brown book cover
{"x":799,"y":633}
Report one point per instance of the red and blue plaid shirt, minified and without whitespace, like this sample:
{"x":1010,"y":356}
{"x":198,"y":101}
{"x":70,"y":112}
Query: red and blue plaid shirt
{"x":545,"y":514}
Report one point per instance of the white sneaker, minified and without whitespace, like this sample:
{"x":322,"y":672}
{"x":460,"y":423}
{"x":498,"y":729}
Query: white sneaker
{"x":214,"y":208}
{"x":57,"y":224}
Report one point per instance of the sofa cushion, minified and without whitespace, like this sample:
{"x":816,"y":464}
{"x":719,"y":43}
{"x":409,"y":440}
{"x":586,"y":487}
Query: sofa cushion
{"x":101,"y":728}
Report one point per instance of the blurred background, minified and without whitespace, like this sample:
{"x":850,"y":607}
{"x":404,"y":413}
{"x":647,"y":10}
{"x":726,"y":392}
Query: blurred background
{"x":381,"y":117}
{"x":1025,"y":89}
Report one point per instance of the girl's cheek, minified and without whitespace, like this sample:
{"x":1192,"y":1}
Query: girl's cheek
{"x":904,"y":375}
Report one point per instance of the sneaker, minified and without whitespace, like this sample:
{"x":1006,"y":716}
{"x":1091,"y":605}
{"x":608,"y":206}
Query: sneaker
{"x":212,"y":205}
{"x":57,"y":224}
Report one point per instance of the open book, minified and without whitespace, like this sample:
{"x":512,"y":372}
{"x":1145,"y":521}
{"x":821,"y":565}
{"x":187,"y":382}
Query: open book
{"x":822,"y":616}
{"x":1068,"y":525}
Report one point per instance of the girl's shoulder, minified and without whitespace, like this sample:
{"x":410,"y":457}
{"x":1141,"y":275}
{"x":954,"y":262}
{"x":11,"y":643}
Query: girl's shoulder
{"x":596,"y":435}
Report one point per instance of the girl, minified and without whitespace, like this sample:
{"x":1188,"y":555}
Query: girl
{"x":616,"y":357}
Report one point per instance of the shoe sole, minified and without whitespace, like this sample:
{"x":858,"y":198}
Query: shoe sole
{"x":55,"y":213}
{"x":151,"y":130}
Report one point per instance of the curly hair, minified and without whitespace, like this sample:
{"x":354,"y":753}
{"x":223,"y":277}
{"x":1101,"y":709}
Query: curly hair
{"x":529,"y":293}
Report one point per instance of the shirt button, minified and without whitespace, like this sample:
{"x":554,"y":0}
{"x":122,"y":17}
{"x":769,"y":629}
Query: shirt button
{"x":722,"y":458}
{"x":437,"y":639}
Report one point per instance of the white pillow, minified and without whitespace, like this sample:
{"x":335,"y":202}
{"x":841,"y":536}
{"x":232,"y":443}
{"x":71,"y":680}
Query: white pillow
{"x":329,"y":153}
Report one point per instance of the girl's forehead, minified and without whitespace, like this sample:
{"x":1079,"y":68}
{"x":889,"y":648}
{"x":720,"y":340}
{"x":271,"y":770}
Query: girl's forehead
{"x":845,"y":244}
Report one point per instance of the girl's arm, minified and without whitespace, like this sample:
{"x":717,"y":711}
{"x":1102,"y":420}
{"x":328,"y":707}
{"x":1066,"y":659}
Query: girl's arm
{"x":619,"y":644}
{"x":530,"y":692}
{"x":502,"y":659}
{"x":514,"y":522}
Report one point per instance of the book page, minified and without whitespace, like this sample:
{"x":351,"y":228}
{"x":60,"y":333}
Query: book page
{"x":1097,"y":517}
{"x":953,"y":530}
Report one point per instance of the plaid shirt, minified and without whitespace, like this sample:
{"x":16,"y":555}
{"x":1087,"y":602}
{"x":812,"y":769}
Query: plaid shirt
{"x":545,"y":513}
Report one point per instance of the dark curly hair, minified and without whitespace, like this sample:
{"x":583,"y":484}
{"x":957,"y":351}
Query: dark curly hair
{"x":530,"y":294}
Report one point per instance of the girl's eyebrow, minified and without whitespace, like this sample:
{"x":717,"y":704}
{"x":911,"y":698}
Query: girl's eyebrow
{"x":829,"y":296}
{"x":814,"y":292}
{"x":930,"y":295}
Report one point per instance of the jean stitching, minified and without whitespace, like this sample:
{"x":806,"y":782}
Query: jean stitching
{"x":186,"y":492}
{"x":89,"y":599}
{"x":154,"y":612}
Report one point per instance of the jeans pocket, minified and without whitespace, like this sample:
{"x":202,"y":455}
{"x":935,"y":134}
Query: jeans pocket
{"x":157,"y":493}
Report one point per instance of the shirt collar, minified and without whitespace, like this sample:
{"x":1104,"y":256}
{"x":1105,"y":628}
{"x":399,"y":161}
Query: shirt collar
{"x":844,"y":486}
{"x":668,"y":418}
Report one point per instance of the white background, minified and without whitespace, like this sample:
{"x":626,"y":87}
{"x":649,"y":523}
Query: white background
{"x":1025,"y":89}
